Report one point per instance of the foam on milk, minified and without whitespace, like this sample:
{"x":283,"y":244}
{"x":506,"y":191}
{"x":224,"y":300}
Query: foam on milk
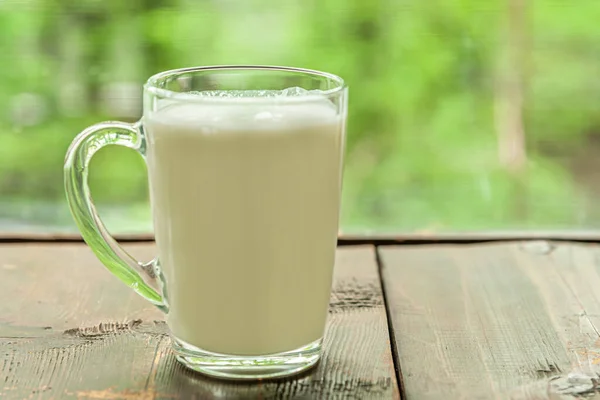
{"x":245,"y":196}
{"x":248,"y":109}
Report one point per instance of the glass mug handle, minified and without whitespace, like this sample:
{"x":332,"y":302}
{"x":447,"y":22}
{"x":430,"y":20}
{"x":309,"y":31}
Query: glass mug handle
{"x":139,"y":276}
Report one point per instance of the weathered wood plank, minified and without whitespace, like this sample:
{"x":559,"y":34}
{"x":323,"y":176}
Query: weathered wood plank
{"x":513,"y":320}
{"x":70,"y":330}
{"x":64,"y":286}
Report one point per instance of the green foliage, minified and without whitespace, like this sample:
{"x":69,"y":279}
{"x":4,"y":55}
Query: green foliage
{"x":425,"y":79}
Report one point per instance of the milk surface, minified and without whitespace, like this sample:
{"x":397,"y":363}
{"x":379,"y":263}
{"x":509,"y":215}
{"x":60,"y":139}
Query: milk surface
{"x":245,"y":198}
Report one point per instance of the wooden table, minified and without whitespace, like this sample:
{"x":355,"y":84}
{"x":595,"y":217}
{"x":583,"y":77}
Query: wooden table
{"x":498,"y":320}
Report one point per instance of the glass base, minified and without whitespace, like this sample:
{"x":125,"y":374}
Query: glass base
{"x":247,"y":367}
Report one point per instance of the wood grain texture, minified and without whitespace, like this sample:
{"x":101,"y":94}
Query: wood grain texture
{"x":496,"y":321}
{"x":68,"y":329}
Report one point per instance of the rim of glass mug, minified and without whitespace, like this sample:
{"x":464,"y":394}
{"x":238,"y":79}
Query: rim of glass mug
{"x":154,"y":84}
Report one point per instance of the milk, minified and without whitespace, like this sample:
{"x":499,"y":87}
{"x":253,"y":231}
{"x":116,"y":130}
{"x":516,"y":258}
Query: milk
{"x":245,"y":197}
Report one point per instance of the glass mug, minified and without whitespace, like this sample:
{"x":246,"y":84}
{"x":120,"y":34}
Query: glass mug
{"x":245,"y":169}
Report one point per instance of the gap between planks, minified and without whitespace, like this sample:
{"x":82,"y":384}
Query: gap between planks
{"x":388,"y":315}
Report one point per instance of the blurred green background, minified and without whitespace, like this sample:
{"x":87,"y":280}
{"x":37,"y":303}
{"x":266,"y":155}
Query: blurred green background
{"x":465,"y":115}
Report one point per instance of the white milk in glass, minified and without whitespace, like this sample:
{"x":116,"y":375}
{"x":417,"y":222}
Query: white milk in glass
{"x":245,"y":194}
